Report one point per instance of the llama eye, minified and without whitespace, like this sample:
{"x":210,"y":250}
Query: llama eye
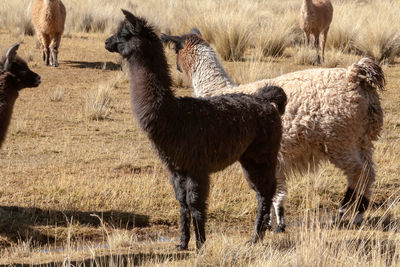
{"x":125,"y":34}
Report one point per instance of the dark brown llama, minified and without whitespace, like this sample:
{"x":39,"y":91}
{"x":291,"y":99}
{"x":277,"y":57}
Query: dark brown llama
{"x":196,"y":137}
{"x":15,"y":75}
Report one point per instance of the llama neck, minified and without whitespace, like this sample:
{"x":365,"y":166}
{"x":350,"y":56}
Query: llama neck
{"x":308,"y":6}
{"x":150,"y":86}
{"x":51,"y":8}
{"x":7,"y":100}
{"x":50,"y":4}
{"x":6,"y":108}
{"x":208,"y":75}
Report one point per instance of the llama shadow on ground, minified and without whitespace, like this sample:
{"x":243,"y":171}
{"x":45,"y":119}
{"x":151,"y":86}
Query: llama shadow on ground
{"x":93,"y":65}
{"x":20,"y":223}
{"x":132,"y":259}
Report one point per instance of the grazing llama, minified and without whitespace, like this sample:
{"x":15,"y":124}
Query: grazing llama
{"x":332,"y":114}
{"x":48,"y":17}
{"x":187,"y":131}
{"x":316,"y":17}
{"x":15,"y":75}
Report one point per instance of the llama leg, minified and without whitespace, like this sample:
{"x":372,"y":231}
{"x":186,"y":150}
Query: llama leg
{"x":42,"y":47}
{"x":358,"y":168}
{"x":325,"y":35}
{"x":54,"y":49}
{"x":364,"y":185}
{"x":179,"y":184}
{"x":46,"y":48}
{"x":316,"y":45}
{"x":197,"y":189}
{"x":307,"y":39}
{"x":261,"y":178}
{"x":279,"y":201}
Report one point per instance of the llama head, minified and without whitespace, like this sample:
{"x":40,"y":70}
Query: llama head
{"x":22,"y":77}
{"x":186,"y":47}
{"x":134,"y":36}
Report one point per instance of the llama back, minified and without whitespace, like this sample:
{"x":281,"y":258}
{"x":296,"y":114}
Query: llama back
{"x":50,"y":19}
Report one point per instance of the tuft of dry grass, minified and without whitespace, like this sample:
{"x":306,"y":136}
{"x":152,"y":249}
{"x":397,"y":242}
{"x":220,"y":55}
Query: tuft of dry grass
{"x":98,"y":101}
{"x":12,"y":16}
{"x":304,"y":55}
{"x":344,"y":28}
{"x":230,"y":36}
{"x":254,"y":69}
{"x":274,"y":36}
{"x":382,"y":45}
{"x":271,"y":27}
{"x":57,"y":94}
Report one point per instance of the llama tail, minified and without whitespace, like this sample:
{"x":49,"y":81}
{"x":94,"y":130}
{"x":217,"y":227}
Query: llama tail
{"x":368,"y":75}
{"x":274,"y":95}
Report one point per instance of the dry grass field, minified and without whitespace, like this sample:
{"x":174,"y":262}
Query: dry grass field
{"x":81,"y":185}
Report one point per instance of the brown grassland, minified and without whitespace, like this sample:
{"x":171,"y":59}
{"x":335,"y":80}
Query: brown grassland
{"x":80,"y":184}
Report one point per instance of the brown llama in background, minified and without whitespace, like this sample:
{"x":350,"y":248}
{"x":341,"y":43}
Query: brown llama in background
{"x":316,"y":17}
{"x":48,"y":18}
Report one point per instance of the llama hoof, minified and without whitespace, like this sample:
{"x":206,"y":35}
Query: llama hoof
{"x":253,"y":240}
{"x":199,"y":245}
{"x":280,"y":229}
{"x":358,"y":224}
{"x":181,"y":247}
{"x":335,"y":220}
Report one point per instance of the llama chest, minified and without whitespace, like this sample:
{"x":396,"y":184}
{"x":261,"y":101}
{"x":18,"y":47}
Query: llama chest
{"x":310,"y":23}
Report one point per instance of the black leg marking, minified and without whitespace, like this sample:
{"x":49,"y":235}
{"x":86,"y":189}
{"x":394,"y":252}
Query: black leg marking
{"x":262,"y":219}
{"x":351,"y":197}
{"x":281,"y":226}
{"x":363,"y":205}
{"x":47,"y":56}
{"x":348,"y":198}
{"x":197,"y":189}
{"x":179,"y":184}
{"x":261,"y":178}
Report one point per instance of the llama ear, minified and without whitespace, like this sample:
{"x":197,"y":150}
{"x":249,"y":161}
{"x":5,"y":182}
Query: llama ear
{"x":10,"y":56}
{"x":195,"y":31}
{"x":136,"y":26}
{"x":176,"y":40}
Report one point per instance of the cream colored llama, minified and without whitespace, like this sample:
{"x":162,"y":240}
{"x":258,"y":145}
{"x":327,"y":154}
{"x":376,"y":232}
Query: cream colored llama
{"x":48,"y":18}
{"x":332,"y":114}
{"x":316,"y":17}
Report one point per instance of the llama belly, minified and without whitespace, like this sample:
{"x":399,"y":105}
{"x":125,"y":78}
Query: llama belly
{"x":194,"y":160}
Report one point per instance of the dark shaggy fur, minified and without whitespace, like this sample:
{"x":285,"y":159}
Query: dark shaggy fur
{"x":14,"y":76}
{"x":196,"y":137}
